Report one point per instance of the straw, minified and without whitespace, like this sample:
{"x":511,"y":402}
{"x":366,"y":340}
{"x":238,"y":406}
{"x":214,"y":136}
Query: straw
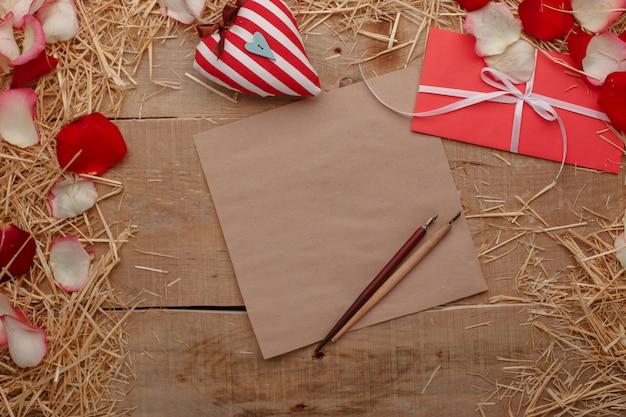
{"x":578,"y":364}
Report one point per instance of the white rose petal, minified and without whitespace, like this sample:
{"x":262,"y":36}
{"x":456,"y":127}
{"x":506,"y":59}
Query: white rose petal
{"x":494,"y":27}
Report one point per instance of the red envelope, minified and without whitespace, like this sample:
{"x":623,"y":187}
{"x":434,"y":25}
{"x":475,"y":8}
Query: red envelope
{"x":450,"y":62}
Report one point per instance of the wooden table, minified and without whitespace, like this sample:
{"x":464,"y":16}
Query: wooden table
{"x":190,"y":341}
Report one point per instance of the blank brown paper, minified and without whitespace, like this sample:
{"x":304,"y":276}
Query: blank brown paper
{"x":316,"y":196}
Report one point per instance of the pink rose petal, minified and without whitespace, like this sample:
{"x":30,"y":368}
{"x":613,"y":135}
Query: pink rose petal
{"x":494,"y":27}
{"x":17,"y":113}
{"x":34,"y":41}
{"x":185,"y":11}
{"x":18,"y":8}
{"x":597,"y":15}
{"x":59,"y":20}
{"x":620,"y":249}
{"x":27,"y":343}
{"x":517,"y":62}
{"x":70,"y":263}
{"x":21,"y":8}
{"x":606,"y":53}
{"x":7,"y":309}
{"x":70,"y":198}
{"x":9,"y":50}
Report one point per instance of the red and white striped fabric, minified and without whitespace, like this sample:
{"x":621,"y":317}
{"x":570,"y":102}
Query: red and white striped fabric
{"x":246,"y":64}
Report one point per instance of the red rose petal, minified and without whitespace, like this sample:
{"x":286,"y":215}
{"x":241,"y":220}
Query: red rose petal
{"x":471,"y":5}
{"x":17,"y":250}
{"x":98,"y":140}
{"x":612,"y":99}
{"x":577,"y":42}
{"x":23,"y":74}
{"x":544,"y":20}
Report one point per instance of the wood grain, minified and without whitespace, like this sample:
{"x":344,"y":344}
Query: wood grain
{"x":207,"y":363}
{"x":168,"y":199}
{"x":192,"y":358}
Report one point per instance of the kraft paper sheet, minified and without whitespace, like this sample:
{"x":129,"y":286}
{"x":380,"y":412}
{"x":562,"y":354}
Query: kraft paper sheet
{"x":316,"y":196}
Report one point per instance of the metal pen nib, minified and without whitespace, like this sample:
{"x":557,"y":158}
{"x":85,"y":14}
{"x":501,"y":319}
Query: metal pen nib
{"x":455,"y":217}
{"x":430,"y":221}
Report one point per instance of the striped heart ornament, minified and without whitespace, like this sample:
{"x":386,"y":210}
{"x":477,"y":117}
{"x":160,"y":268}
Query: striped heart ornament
{"x":257,"y":49}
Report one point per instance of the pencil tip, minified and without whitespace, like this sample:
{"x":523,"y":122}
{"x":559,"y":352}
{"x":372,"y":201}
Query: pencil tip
{"x":455,"y":217}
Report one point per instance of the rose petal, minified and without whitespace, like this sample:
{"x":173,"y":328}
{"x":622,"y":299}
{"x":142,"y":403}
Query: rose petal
{"x":9,"y":50}
{"x":577,"y":43}
{"x":27,"y":343}
{"x":72,"y":197}
{"x":185,"y":11}
{"x":597,"y":15}
{"x":17,"y":113}
{"x":494,"y":27}
{"x":59,"y":20}
{"x":34,"y":41}
{"x":70,"y":263}
{"x":18,"y":8}
{"x":21,"y":8}
{"x":471,"y":5}
{"x":606,"y":53}
{"x":517,"y":62}
{"x":546,"y":19}
{"x":24,"y":74}
{"x":17,"y":250}
{"x":7,"y":309}
{"x":612,"y":99}
{"x":97,"y":141}
{"x":620,"y":248}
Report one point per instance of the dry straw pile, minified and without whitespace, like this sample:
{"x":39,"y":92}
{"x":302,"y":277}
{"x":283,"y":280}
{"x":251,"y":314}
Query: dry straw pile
{"x":578,"y":331}
{"x":581,"y":345}
{"x":86,"y":371}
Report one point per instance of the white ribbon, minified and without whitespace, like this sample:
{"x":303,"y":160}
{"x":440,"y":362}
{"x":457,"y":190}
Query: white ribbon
{"x":506,"y":92}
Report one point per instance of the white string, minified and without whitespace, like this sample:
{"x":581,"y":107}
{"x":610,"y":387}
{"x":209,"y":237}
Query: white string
{"x":506,"y":92}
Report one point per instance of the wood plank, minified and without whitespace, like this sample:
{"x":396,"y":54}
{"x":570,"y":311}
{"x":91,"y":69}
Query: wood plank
{"x":208,"y":363}
{"x":167,"y":197}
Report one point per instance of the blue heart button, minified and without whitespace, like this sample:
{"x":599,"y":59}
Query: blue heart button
{"x":259,"y":46}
